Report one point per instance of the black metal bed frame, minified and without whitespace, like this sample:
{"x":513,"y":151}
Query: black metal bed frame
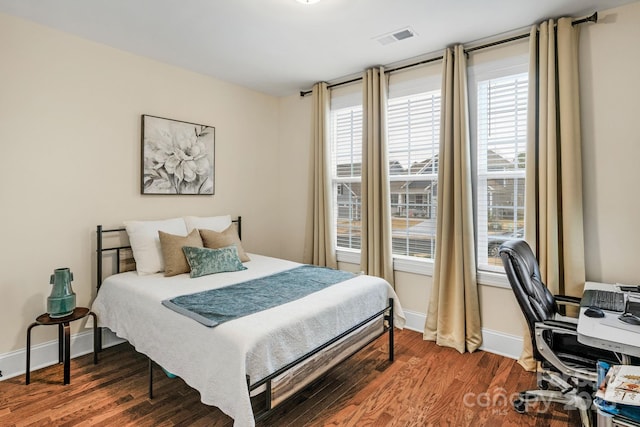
{"x":386,"y":314}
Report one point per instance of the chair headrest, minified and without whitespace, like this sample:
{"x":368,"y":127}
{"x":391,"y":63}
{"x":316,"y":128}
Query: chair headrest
{"x":523,"y":272}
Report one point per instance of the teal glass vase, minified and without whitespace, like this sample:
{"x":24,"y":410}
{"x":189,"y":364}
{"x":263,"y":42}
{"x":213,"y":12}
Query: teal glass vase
{"x":62,"y":300}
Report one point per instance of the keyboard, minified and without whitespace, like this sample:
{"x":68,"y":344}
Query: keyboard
{"x":606,"y":300}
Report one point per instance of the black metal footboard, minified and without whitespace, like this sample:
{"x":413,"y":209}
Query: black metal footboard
{"x":388,"y":327}
{"x":386,"y":314}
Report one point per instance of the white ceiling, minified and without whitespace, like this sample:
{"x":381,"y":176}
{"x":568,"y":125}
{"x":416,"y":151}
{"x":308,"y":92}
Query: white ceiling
{"x":280,"y":47}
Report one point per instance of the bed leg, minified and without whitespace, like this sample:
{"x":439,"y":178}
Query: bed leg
{"x":268,"y":395}
{"x":98,"y":338}
{"x":150,"y":378}
{"x":390,"y":320}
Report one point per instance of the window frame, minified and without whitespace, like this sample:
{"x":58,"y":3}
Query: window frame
{"x":423,"y":139}
{"x":513,"y":65}
{"x":346,"y":103}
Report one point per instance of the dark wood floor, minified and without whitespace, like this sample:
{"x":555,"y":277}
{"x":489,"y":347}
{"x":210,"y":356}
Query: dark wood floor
{"x":426,"y":385}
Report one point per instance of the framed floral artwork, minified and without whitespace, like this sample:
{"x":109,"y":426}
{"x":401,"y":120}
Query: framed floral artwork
{"x":177,"y":157}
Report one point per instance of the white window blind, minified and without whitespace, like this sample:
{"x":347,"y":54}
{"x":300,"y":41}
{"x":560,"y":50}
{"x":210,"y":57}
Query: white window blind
{"x":346,"y":166}
{"x":501,"y":145}
{"x":413,"y":141}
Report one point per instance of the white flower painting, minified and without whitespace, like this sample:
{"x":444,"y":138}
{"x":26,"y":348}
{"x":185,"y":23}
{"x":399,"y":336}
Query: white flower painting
{"x":177,"y":157}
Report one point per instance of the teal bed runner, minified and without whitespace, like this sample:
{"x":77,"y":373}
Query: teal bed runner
{"x":217,"y":306}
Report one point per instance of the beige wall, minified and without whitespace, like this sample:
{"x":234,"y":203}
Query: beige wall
{"x":294,"y":156}
{"x":70,"y":140}
{"x":610,"y":91}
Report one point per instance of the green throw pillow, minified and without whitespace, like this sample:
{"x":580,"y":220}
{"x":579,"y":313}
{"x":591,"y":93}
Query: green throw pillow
{"x":205,"y":261}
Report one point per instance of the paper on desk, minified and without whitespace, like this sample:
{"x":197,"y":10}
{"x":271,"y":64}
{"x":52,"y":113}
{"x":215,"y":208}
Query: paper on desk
{"x":622,"y":385}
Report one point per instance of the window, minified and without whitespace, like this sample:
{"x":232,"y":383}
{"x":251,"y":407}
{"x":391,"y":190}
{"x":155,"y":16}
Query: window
{"x":498,"y":90}
{"x":413,"y":141}
{"x":413,"y":113}
{"x":346,"y":166}
{"x":501,"y":145}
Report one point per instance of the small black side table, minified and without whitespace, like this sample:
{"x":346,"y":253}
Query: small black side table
{"x":64,"y":331}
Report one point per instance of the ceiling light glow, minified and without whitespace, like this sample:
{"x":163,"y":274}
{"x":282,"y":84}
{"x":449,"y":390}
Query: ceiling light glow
{"x":307,"y":1}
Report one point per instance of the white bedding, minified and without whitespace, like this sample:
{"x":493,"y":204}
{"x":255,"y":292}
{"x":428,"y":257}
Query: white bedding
{"x":215,"y":361}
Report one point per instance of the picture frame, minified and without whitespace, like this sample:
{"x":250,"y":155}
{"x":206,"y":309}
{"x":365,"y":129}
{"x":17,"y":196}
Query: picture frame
{"x":178,"y":157}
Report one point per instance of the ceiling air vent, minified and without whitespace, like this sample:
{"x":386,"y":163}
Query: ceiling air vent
{"x":405,"y":33}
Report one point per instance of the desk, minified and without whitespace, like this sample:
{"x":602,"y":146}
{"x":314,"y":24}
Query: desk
{"x":592,"y":332}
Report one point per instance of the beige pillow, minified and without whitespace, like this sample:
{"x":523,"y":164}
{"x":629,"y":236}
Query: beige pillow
{"x":216,"y":240}
{"x":174,"y":260}
{"x":145,"y":244}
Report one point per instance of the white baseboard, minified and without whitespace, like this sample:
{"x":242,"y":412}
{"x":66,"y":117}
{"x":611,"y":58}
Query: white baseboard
{"x":415,"y":320}
{"x":46,"y":354}
{"x":502,"y":344}
{"x":492,"y":341}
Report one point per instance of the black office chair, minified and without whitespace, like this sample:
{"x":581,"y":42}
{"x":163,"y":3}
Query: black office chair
{"x":565,"y":365}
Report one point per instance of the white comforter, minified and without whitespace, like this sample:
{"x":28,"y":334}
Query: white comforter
{"x":215,"y":361}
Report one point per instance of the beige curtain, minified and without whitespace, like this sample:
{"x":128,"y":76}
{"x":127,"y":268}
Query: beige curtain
{"x":553,"y":198}
{"x":453,"y":315}
{"x":376,"y":257}
{"x":320,"y":240}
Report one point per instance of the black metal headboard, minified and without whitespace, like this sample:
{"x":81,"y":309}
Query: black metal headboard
{"x":123,"y":252}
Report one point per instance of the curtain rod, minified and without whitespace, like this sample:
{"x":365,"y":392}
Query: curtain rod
{"x":592,"y":18}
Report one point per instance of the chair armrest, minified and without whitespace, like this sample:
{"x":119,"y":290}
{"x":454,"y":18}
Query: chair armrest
{"x":560,"y":324}
{"x":569,"y":319}
{"x":567,"y":300}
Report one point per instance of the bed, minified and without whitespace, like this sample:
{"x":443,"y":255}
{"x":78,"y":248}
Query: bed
{"x":275,"y":352}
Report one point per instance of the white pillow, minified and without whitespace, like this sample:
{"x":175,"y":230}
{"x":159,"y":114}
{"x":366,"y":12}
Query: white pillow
{"x":215,"y":223}
{"x":145,"y":242}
